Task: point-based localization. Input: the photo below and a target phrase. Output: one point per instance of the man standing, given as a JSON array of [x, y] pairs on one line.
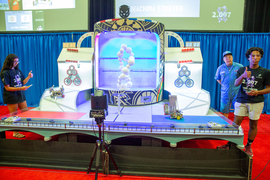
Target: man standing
[[225, 76], [254, 81]]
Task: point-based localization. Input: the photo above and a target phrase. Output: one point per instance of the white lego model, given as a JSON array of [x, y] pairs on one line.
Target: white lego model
[[57, 93], [214, 125], [12, 119], [172, 108]]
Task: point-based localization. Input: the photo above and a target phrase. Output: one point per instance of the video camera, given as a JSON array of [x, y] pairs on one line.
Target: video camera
[[99, 105]]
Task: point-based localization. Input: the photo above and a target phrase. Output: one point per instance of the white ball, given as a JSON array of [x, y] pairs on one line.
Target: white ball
[[120, 59], [128, 66], [121, 50], [128, 50], [121, 63], [131, 61], [122, 76], [119, 54], [131, 58], [124, 86], [121, 67], [129, 84], [124, 46], [131, 54], [125, 70], [128, 79]]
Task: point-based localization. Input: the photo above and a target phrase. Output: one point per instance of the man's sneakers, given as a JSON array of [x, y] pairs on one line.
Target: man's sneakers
[[225, 146], [249, 151]]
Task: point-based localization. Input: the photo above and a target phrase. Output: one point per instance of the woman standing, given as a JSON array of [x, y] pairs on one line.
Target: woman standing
[[14, 81]]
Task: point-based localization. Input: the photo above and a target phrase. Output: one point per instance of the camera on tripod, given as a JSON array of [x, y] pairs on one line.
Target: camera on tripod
[[99, 110], [99, 105]]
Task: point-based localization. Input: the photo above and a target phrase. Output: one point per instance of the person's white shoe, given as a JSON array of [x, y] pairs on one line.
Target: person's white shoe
[[47, 138]]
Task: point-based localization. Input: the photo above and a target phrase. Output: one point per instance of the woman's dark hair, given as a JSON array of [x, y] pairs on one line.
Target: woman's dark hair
[[250, 50], [9, 61]]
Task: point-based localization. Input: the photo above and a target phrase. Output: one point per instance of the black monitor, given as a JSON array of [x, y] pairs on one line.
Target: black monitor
[[43, 15]]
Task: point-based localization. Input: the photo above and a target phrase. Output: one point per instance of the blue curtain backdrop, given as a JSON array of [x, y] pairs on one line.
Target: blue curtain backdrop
[[39, 53]]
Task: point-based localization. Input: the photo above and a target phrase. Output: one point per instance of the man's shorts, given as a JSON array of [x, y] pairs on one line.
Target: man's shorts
[[252, 110]]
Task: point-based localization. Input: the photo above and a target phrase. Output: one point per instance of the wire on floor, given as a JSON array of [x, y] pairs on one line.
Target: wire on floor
[[262, 170]]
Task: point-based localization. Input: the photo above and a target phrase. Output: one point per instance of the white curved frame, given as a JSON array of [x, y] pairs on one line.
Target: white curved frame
[[85, 36], [179, 39]]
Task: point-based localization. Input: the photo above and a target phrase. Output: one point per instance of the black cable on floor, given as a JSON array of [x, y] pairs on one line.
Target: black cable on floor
[[262, 170]]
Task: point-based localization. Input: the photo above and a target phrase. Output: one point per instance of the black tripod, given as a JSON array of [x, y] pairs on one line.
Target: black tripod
[[98, 149]]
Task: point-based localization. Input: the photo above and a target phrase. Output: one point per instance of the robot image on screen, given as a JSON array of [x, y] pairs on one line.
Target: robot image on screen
[[127, 60]]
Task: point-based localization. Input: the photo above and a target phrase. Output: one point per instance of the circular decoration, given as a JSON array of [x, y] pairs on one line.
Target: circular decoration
[[137, 98], [189, 83], [184, 68], [184, 71], [69, 72], [74, 72], [178, 83], [77, 81], [67, 81], [181, 73]]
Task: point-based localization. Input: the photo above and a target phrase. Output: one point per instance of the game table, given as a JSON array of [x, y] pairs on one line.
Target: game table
[[148, 121]]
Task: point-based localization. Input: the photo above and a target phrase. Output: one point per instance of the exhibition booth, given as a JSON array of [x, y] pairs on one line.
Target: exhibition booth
[[131, 64]]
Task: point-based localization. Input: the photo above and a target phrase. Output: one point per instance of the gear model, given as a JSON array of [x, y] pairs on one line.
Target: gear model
[[183, 78], [72, 74]]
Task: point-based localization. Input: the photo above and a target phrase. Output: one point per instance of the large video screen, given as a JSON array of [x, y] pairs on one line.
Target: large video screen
[[43, 15], [197, 15]]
